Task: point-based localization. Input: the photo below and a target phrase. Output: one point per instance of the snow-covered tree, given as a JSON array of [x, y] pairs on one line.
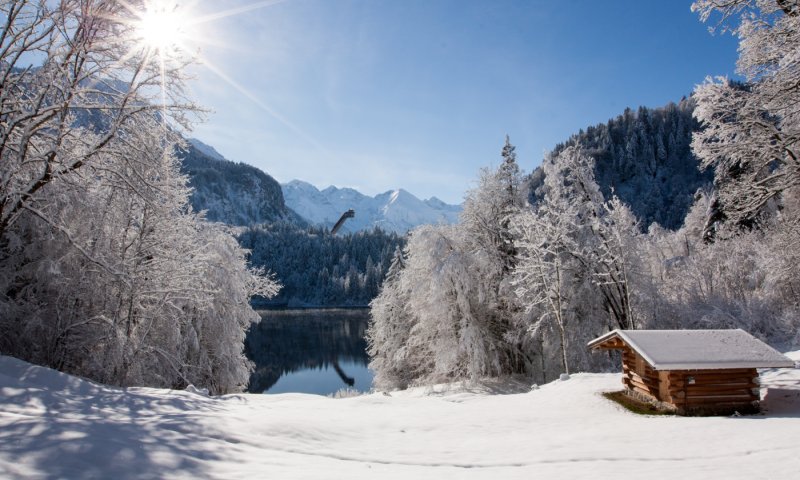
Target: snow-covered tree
[[453, 296], [104, 269], [389, 330], [544, 274], [574, 266], [599, 229], [752, 131], [93, 81], [510, 175], [488, 207]]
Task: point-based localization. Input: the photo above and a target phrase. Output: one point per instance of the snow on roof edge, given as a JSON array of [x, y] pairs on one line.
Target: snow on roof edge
[[720, 365], [636, 347], [695, 365], [602, 338]]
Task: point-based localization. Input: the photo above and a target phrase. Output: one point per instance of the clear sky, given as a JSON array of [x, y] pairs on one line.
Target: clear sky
[[419, 94]]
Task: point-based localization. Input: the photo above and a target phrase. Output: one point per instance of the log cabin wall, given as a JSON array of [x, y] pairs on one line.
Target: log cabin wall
[[638, 375], [712, 389], [724, 390]]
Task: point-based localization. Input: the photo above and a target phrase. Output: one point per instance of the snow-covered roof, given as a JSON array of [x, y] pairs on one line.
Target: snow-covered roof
[[698, 349]]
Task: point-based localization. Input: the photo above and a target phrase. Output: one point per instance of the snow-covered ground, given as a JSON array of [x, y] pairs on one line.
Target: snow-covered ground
[[56, 426]]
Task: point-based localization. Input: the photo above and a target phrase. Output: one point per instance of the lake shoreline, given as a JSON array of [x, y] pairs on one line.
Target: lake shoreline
[[281, 308], [309, 350]]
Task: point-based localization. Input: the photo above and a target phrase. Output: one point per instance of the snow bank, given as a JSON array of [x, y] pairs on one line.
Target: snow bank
[[56, 426]]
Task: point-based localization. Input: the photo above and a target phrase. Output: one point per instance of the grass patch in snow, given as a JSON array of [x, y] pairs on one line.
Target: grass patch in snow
[[635, 406]]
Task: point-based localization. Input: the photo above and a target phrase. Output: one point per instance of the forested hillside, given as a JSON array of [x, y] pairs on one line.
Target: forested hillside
[[233, 193], [314, 267], [320, 269], [644, 157]]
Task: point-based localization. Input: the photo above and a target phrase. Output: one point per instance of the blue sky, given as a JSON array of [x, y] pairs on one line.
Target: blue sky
[[419, 94]]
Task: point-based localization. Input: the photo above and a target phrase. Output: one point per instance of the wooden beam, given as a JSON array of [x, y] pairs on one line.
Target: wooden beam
[[646, 380], [739, 393], [644, 388], [721, 387], [613, 343], [721, 373], [719, 401]]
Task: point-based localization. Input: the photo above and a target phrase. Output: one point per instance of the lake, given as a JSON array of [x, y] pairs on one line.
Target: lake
[[309, 351]]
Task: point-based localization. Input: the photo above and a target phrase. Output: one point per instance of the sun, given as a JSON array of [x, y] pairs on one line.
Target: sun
[[163, 26]]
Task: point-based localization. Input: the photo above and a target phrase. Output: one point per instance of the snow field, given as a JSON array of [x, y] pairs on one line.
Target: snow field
[[56, 426]]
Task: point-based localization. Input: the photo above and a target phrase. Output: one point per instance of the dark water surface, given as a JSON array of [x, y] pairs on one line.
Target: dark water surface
[[309, 351]]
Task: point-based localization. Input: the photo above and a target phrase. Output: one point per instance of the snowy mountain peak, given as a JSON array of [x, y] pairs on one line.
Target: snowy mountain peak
[[395, 210], [434, 202], [401, 195]]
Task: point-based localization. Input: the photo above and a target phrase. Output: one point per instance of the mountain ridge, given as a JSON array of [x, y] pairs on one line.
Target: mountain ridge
[[395, 210], [233, 193]]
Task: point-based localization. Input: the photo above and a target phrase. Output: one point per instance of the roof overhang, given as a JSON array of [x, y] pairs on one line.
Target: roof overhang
[[694, 349]]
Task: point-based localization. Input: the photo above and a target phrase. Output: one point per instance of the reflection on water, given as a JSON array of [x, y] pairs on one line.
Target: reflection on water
[[309, 351]]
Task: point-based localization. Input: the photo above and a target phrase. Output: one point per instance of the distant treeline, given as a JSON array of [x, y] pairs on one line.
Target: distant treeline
[[317, 268]]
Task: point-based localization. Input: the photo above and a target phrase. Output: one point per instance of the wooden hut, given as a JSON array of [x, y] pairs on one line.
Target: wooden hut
[[693, 371]]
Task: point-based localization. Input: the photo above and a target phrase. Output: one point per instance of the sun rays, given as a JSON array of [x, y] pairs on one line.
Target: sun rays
[[169, 31], [162, 26]]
